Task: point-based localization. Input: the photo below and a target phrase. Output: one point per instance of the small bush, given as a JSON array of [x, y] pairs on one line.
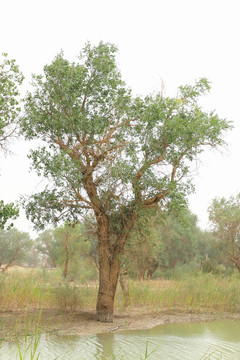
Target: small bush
[[207, 266], [67, 297]]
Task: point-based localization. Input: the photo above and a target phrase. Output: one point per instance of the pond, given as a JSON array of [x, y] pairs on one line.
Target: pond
[[215, 340]]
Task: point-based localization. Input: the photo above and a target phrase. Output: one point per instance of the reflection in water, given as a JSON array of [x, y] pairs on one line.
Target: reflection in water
[[106, 350], [188, 341]]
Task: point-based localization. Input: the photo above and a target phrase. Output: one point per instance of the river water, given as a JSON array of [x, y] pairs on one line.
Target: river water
[[187, 341]]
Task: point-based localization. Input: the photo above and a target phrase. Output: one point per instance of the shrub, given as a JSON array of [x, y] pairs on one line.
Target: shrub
[[67, 297]]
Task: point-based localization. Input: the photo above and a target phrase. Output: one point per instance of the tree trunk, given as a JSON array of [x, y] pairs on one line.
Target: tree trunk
[[53, 262], [236, 261], [151, 271], [50, 256], [108, 278], [109, 265], [106, 293], [124, 286], [141, 269], [65, 272], [11, 260]]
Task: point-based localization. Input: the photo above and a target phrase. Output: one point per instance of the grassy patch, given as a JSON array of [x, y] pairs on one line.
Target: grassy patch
[[46, 289], [202, 292]]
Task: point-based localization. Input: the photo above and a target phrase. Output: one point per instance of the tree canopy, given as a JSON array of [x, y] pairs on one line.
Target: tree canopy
[[132, 150], [14, 247]]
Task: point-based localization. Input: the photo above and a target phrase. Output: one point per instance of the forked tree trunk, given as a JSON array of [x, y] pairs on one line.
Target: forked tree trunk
[[11, 260], [151, 271], [109, 266]]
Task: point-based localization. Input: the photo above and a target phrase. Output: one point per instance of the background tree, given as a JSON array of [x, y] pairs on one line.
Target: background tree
[[225, 218], [109, 153], [163, 241], [14, 247], [10, 79], [145, 249], [46, 245], [68, 247], [181, 238], [68, 240]]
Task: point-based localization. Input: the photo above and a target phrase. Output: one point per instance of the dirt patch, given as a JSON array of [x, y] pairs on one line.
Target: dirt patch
[[15, 324]]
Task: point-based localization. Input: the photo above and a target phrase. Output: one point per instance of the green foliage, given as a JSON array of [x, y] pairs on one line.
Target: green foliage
[[67, 297], [7, 212], [225, 217], [208, 266], [109, 154], [82, 269], [132, 152], [163, 239], [14, 246], [145, 249], [68, 247], [29, 349], [10, 79], [195, 293], [46, 245]]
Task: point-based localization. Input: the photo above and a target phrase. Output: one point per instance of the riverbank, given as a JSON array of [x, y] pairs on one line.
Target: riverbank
[[15, 324]]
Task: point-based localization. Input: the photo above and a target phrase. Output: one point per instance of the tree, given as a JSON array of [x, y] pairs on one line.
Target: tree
[[68, 242], [109, 153], [46, 245], [14, 246], [145, 248], [225, 217], [163, 240], [10, 79], [181, 238]]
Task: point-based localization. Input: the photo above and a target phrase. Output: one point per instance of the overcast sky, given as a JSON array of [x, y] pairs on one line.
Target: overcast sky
[[174, 41]]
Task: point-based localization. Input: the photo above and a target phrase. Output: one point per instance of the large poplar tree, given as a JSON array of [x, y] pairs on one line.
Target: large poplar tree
[[109, 153]]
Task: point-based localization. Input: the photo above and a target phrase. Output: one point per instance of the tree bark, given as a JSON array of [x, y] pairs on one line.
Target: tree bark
[[141, 269], [109, 265], [151, 271], [106, 293], [50, 256], [53, 262], [124, 286], [11, 261], [66, 245]]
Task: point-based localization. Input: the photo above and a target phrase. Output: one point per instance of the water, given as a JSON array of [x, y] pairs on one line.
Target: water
[[189, 341]]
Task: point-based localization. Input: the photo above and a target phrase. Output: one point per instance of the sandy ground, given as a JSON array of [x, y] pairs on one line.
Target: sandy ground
[[15, 324]]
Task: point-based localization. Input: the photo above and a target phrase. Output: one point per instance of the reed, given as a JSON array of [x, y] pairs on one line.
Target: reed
[[205, 292], [46, 289]]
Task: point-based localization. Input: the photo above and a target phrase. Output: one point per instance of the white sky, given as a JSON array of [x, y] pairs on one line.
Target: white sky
[[177, 41]]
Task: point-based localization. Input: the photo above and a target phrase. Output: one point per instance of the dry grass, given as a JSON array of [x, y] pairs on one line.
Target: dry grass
[[204, 292], [35, 288]]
